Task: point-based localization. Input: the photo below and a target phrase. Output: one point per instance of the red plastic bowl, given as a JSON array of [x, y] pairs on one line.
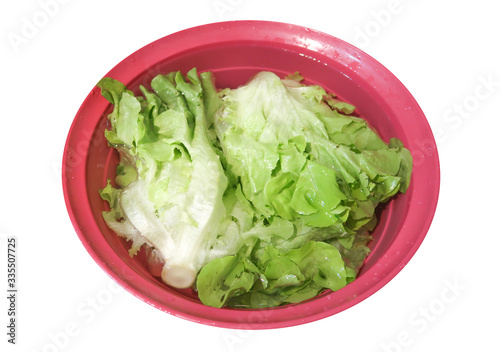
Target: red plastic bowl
[[235, 51]]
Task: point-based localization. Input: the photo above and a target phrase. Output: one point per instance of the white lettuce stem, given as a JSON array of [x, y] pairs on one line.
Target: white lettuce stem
[[178, 276]]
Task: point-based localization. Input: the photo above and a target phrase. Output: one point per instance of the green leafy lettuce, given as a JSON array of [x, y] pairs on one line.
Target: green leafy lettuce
[[257, 196]]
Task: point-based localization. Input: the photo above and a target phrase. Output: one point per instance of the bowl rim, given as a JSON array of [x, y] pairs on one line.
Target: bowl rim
[[420, 212]]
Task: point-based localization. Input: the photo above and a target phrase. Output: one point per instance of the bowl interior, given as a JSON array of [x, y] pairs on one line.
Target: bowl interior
[[320, 59]]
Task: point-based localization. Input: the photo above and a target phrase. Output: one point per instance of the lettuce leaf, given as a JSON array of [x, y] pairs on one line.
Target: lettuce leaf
[[173, 198], [313, 176]]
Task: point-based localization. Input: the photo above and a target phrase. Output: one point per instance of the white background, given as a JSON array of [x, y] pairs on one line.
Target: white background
[[447, 54]]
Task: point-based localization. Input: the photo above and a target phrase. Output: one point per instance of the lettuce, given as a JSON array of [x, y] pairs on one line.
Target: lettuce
[[175, 202], [257, 196]]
